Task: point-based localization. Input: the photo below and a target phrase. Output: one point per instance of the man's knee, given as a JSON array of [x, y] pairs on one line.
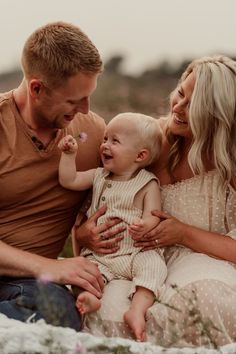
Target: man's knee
[[56, 304], [52, 302]]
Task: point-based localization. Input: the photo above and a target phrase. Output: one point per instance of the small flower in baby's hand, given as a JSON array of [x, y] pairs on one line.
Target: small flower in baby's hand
[[82, 137]]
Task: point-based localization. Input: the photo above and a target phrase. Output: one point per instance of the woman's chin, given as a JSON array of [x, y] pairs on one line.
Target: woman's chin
[[180, 129]]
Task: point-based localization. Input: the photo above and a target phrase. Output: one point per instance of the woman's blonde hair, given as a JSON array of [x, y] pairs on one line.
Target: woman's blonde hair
[[57, 51], [212, 119], [148, 133]]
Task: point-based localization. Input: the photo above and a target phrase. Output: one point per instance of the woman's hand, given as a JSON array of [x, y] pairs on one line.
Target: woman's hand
[[99, 238], [170, 231]]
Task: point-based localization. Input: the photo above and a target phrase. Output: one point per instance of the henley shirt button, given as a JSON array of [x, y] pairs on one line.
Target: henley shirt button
[[103, 198], [109, 185]]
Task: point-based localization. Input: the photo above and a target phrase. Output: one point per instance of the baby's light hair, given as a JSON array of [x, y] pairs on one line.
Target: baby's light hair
[[148, 133]]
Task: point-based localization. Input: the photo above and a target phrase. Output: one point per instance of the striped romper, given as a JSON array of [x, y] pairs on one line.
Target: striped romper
[[146, 269]]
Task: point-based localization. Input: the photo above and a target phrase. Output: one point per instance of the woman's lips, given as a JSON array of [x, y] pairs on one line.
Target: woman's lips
[[178, 120]]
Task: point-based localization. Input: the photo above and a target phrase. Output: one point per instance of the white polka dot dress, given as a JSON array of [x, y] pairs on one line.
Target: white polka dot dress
[[198, 302]]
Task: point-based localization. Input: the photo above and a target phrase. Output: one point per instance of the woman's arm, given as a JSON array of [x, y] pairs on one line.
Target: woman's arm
[[171, 232], [213, 244]]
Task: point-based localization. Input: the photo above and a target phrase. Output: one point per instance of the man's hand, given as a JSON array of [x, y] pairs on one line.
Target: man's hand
[[99, 238], [74, 271]]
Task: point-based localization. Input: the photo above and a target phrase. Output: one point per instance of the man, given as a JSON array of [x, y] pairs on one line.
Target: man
[[60, 66]]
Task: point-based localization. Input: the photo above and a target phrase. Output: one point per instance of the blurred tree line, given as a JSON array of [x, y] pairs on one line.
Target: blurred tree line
[[147, 92], [118, 92]]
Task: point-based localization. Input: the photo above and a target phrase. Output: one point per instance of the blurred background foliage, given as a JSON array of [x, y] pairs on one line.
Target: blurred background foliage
[[147, 92]]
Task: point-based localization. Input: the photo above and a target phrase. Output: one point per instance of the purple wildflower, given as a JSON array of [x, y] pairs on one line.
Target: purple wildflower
[[82, 137]]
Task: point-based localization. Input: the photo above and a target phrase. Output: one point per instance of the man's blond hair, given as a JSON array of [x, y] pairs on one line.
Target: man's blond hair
[[57, 51]]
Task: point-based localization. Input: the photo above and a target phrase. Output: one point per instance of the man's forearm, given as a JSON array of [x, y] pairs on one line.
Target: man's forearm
[[15, 262]]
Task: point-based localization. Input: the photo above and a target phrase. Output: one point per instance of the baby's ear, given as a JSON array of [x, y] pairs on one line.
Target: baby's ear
[[142, 155]]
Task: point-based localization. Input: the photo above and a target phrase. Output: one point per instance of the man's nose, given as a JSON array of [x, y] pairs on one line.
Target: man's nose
[[83, 107]]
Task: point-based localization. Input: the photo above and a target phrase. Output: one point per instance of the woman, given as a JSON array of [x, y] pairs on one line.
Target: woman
[[197, 172]]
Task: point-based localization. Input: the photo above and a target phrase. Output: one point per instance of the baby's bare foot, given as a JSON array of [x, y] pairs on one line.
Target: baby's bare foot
[[87, 302], [136, 322]]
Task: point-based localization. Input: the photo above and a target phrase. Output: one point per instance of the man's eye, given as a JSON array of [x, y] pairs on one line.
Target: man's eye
[[115, 141], [180, 93]]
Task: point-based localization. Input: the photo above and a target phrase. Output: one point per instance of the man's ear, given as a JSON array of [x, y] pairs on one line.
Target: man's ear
[[142, 155], [35, 87]]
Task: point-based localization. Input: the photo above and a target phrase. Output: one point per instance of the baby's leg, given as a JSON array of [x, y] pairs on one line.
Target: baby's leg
[[87, 302], [135, 316]]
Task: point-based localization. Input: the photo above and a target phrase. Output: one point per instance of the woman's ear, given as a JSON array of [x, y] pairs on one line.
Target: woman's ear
[[143, 155], [35, 87]]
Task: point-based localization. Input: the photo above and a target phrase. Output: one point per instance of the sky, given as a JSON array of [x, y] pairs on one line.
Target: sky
[[145, 32]]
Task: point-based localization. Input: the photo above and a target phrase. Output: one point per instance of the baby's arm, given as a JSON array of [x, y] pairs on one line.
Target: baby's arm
[[151, 201], [68, 176]]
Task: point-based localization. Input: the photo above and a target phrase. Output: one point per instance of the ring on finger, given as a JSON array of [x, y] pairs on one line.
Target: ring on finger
[[102, 237]]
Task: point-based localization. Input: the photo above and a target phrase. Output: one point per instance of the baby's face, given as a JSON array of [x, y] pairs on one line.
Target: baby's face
[[120, 147]]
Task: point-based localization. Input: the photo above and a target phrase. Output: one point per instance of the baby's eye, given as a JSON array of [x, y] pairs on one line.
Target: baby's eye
[[105, 139], [115, 140]]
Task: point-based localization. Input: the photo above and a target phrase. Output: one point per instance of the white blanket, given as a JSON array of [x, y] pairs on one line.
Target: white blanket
[[35, 338]]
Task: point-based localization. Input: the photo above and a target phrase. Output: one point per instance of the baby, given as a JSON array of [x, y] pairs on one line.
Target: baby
[[131, 142]]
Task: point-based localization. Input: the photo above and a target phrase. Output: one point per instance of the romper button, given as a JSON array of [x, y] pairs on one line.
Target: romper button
[[103, 198], [109, 185]]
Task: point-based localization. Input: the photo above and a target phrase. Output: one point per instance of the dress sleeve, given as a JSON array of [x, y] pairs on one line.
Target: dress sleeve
[[231, 213]]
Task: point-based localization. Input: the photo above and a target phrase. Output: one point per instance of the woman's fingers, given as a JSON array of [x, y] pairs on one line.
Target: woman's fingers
[[150, 245], [161, 214]]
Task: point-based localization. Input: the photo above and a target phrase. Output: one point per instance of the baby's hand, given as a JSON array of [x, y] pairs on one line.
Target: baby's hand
[[137, 228], [68, 144]]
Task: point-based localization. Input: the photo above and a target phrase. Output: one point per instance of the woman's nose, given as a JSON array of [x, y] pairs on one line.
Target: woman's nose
[[181, 105]]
